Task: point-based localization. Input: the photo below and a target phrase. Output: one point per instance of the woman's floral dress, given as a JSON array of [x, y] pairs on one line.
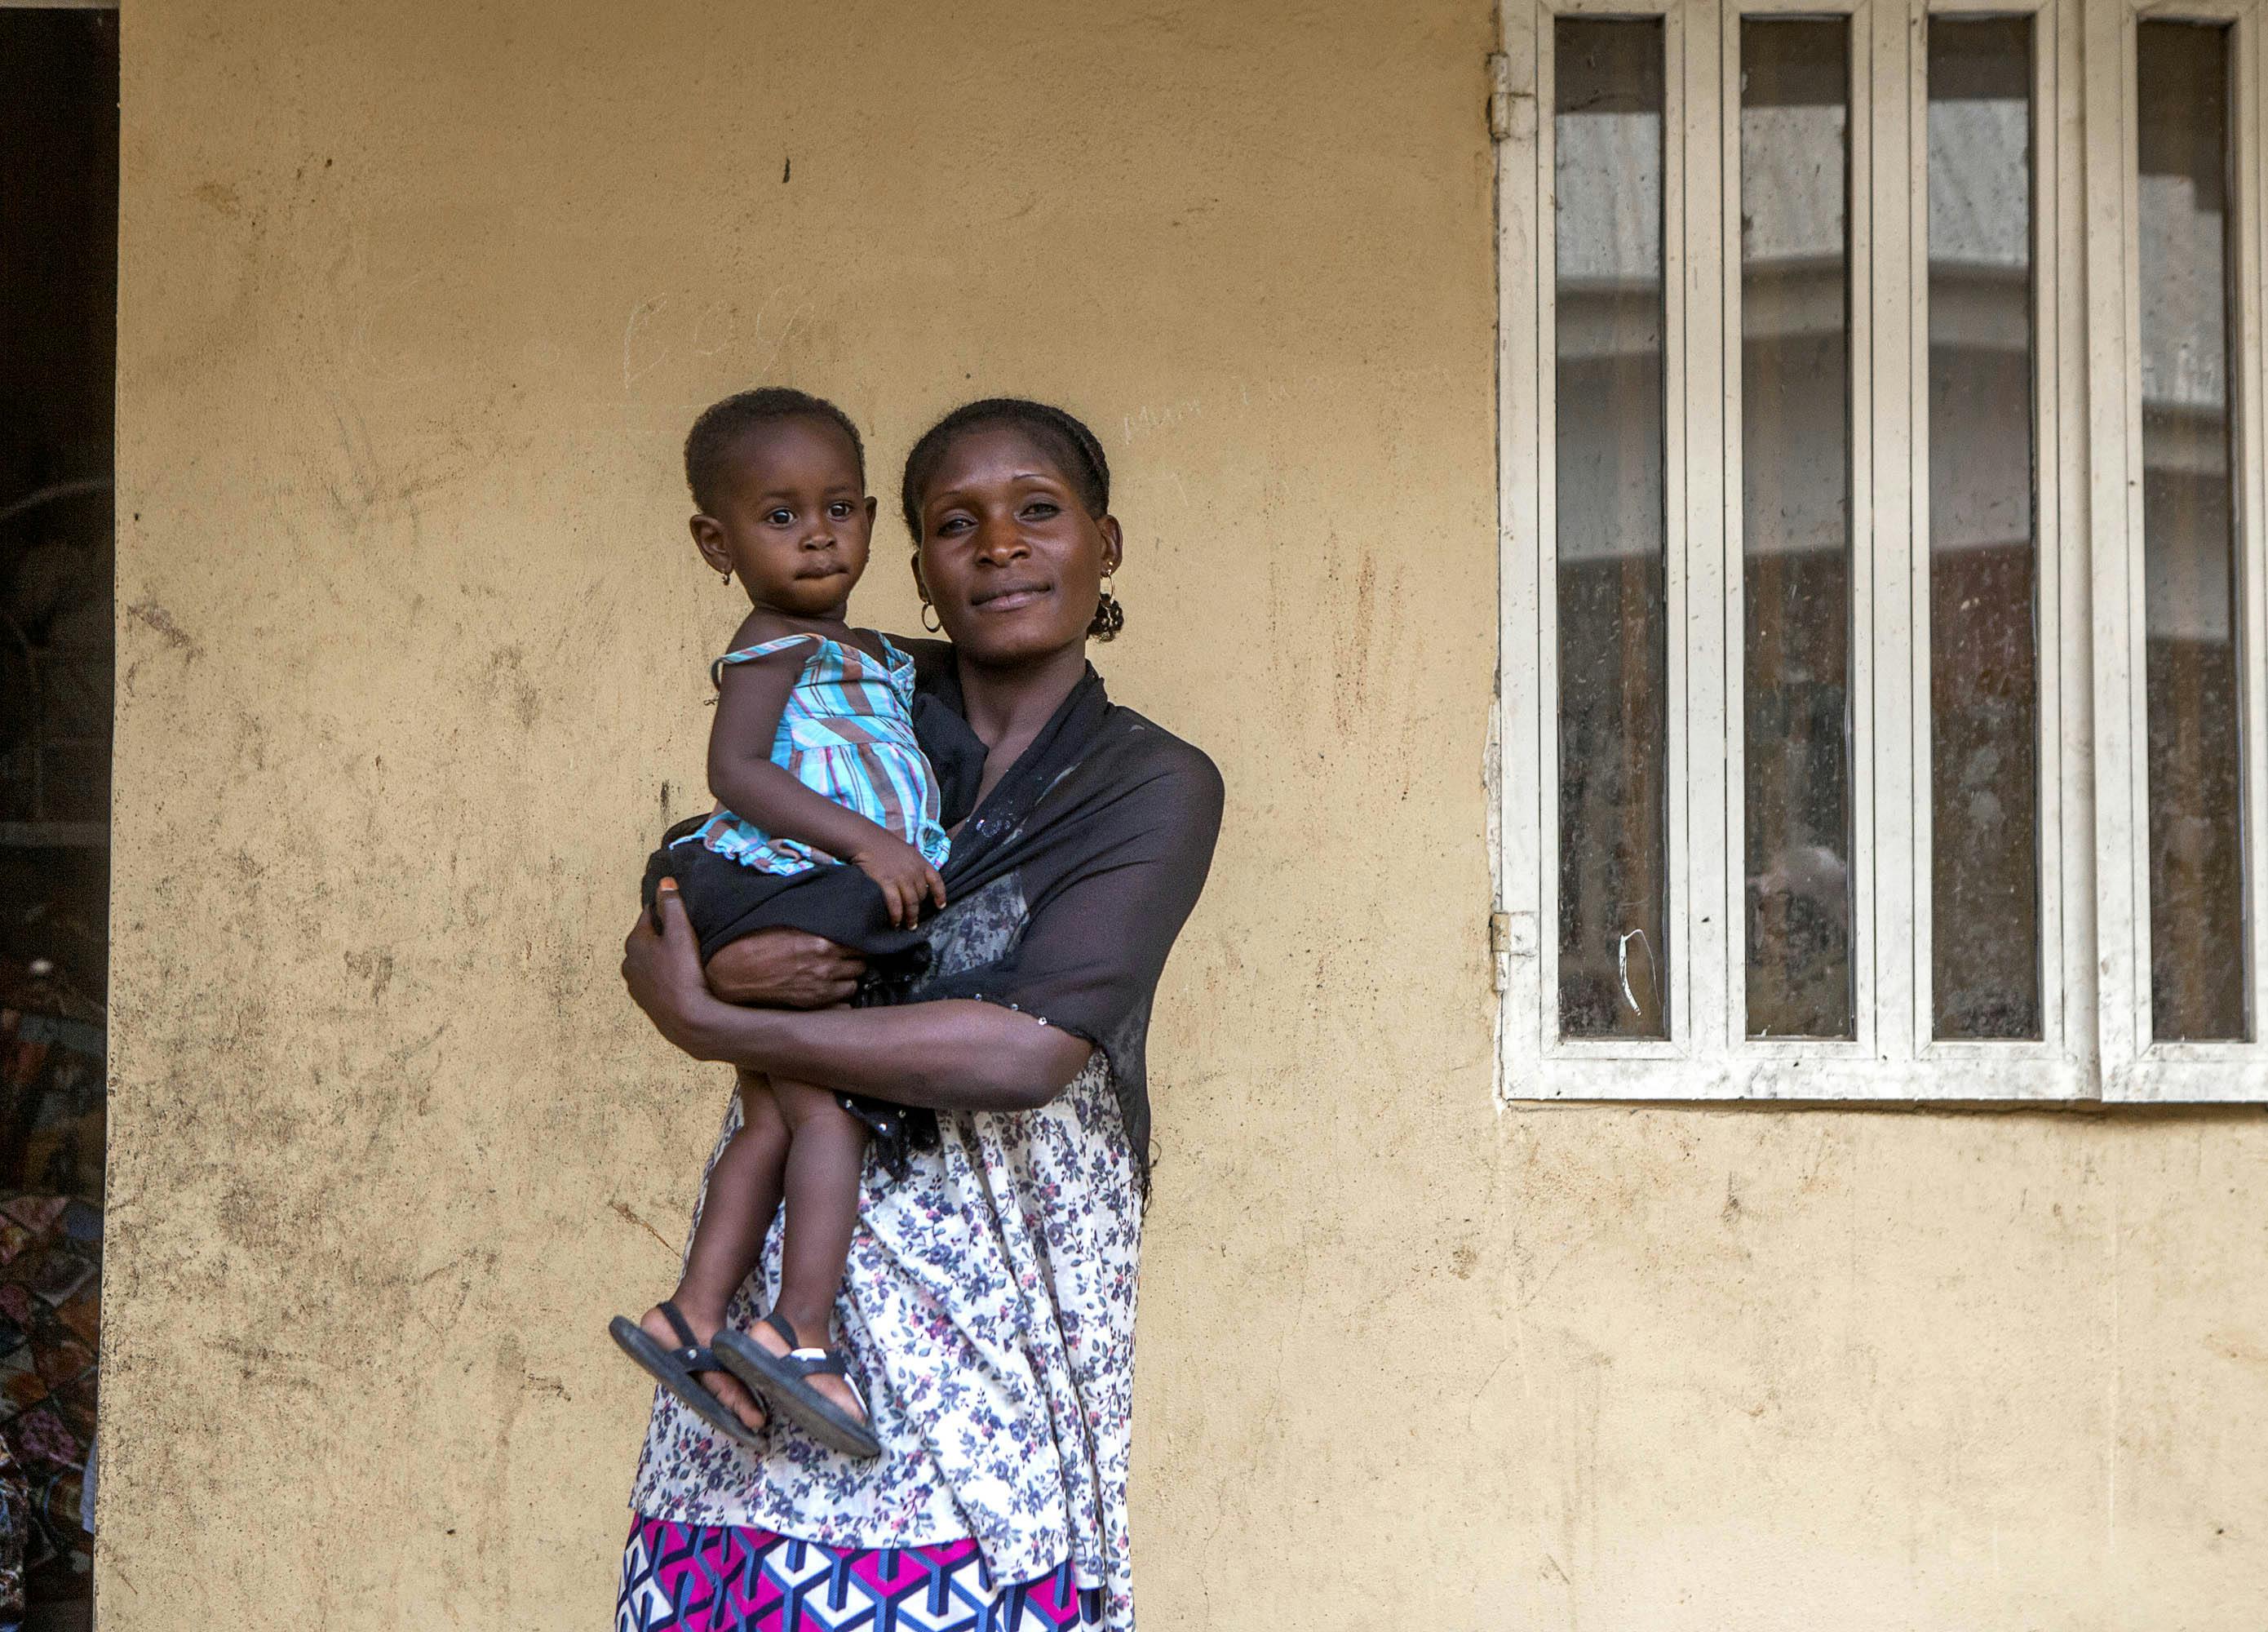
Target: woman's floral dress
[[989, 1311]]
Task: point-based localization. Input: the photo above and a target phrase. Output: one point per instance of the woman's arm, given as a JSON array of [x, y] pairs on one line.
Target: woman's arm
[[956, 1055]]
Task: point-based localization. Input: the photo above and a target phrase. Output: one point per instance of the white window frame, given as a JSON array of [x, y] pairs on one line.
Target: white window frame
[[2092, 858], [2135, 1069]]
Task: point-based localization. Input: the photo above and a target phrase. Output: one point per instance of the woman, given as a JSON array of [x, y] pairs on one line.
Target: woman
[[990, 1296]]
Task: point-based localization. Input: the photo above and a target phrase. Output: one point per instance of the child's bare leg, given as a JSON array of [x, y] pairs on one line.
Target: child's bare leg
[[743, 1194], [826, 1148]]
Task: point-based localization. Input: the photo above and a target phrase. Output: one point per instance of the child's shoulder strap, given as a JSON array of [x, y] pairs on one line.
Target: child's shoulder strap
[[764, 649]]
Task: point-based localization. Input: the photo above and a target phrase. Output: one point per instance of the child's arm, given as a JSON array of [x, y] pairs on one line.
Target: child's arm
[[751, 698]]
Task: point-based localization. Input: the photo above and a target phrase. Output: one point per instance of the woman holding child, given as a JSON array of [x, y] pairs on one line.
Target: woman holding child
[[919, 1404]]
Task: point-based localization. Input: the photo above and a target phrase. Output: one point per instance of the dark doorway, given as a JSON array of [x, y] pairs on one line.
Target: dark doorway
[[58, 343]]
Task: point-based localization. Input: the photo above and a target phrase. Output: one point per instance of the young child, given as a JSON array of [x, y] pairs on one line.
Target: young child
[[813, 760]]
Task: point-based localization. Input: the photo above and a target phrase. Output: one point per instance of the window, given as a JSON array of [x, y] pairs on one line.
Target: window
[[1883, 673]]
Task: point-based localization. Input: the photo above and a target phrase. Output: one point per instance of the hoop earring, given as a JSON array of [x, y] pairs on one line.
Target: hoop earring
[[938, 628]]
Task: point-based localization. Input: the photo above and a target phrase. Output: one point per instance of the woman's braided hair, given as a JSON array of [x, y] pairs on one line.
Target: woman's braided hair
[[1072, 446]]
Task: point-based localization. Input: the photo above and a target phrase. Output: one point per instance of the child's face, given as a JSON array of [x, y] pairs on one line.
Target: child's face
[[794, 521]]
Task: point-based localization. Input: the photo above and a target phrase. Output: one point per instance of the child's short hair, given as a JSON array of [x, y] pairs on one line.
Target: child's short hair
[[1072, 444], [722, 424]]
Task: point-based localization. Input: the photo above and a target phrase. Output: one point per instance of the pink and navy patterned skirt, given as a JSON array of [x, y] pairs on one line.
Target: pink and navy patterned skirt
[[729, 1578]]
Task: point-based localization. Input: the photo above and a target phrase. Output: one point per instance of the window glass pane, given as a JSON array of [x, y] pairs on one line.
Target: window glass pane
[[1984, 716], [1606, 130], [1795, 478], [2198, 953]]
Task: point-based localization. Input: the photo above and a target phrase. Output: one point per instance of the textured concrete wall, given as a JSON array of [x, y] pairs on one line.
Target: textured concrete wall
[[417, 300]]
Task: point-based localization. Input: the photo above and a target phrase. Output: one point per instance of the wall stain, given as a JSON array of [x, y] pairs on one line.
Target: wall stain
[[507, 673], [375, 967], [621, 1210], [149, 614]]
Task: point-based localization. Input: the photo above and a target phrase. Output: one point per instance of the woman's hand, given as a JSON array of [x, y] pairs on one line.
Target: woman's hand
[[785, 969], [663, 972]]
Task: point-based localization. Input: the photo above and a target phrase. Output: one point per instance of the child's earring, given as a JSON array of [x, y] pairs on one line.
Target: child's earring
[[726, 574]]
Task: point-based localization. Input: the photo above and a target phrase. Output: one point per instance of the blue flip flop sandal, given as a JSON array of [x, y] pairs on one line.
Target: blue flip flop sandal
[[779, 1379], [677, 1369]]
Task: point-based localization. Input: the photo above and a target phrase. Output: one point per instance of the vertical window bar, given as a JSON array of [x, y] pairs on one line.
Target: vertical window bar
[[1612, 526], [1796, 553], [1983, 549], [2198, 952]]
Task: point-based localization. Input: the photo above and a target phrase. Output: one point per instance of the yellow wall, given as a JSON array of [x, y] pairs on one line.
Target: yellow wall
[[417, 300]]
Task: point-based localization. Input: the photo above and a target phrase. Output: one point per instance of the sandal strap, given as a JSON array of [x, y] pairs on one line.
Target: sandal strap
[[826, 1362], [691, 1353], [806, 1361]]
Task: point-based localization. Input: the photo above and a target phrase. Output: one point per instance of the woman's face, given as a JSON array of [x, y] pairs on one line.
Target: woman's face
[[1009, 556]]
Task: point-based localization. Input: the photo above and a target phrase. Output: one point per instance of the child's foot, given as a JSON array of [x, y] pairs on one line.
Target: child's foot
[[731, 1393], [836, 1391]]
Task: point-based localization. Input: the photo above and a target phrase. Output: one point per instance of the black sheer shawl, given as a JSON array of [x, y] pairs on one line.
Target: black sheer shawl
[[1068, 886], [1065, 889]]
